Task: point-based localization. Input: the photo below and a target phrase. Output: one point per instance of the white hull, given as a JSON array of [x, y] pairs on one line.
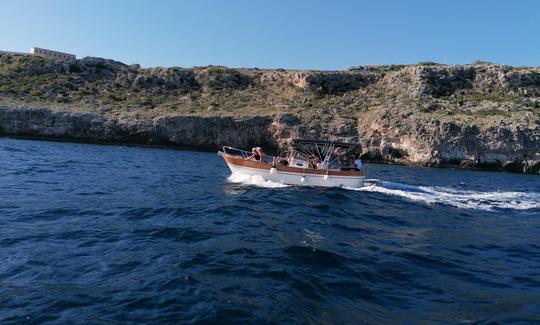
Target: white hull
[[290, 178]]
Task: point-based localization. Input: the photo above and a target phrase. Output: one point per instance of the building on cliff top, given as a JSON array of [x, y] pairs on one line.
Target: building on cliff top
[[44, 53], [51, 54]]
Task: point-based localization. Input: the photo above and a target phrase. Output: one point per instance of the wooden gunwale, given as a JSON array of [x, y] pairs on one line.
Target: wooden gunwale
[[280, 168]]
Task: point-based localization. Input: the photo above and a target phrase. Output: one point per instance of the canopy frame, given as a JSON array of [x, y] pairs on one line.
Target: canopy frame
[[325, 150]]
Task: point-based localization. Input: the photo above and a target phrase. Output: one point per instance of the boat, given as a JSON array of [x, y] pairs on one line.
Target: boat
[[305, 163]]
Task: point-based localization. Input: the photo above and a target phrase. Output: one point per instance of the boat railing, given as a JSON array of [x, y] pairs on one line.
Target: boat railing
[[245, 154], [236, 152], [362, 169]]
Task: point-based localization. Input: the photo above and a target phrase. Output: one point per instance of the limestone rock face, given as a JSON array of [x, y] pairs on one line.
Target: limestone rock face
[[48, 123], [424, 141], [182, 131], [433, 81], [497, 146], [340, 82], [158, 78], [222, 78]]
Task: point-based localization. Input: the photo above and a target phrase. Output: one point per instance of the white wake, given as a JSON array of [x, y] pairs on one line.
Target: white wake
[[253, 180], [464, 199]]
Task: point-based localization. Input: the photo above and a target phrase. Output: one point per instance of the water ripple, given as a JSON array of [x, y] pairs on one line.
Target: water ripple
[[108, 234]]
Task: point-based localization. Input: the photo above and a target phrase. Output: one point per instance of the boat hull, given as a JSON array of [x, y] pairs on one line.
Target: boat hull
[[295, 176]]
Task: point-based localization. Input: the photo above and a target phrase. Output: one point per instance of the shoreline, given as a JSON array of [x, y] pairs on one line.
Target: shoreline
[[210, 150]]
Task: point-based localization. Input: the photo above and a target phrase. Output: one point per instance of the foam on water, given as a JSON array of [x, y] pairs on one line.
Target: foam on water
[[253, 180], [465, 199]]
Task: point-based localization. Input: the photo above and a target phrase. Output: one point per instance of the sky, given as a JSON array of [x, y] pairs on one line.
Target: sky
[[293, 34]]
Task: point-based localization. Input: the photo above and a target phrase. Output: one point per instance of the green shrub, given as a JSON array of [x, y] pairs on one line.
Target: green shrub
[[482, 62], [428, 63], [219, 69]]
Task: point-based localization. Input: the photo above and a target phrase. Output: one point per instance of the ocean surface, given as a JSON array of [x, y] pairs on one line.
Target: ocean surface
[[94, 234]]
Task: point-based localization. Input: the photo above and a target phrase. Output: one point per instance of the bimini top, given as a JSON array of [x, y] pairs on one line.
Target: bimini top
[[321, 143], [325, 150]]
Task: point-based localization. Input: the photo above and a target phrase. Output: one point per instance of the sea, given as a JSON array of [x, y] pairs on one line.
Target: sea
[[104, 234]]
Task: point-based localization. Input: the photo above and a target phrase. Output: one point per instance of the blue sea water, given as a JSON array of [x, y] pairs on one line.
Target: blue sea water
[[96, 234]]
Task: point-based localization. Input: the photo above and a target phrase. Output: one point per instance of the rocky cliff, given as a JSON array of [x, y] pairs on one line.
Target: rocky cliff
[[478, 116]]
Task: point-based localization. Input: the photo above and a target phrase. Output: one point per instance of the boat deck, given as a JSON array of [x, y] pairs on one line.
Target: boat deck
[[239, 161]]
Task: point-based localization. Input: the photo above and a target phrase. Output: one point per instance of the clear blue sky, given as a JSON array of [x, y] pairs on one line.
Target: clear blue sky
[[270, 34]]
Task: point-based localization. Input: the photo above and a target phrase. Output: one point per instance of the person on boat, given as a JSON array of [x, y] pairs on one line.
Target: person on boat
[[261, 153], [342, 163], [358, 163], [254, 155], [282, 160], [257, 154], [313, 161], [350, 163]]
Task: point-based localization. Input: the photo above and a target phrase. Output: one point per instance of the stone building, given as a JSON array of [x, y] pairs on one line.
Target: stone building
[[51, 54], [43, 53]]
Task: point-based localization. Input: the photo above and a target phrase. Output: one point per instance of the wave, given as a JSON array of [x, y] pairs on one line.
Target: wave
[[465, 199], [253, 180]]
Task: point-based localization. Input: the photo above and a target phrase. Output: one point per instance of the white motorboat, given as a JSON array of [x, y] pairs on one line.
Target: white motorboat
[[307, 163]]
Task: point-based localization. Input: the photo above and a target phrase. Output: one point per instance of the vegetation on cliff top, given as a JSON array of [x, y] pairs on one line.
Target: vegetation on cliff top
[[479, 90]]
